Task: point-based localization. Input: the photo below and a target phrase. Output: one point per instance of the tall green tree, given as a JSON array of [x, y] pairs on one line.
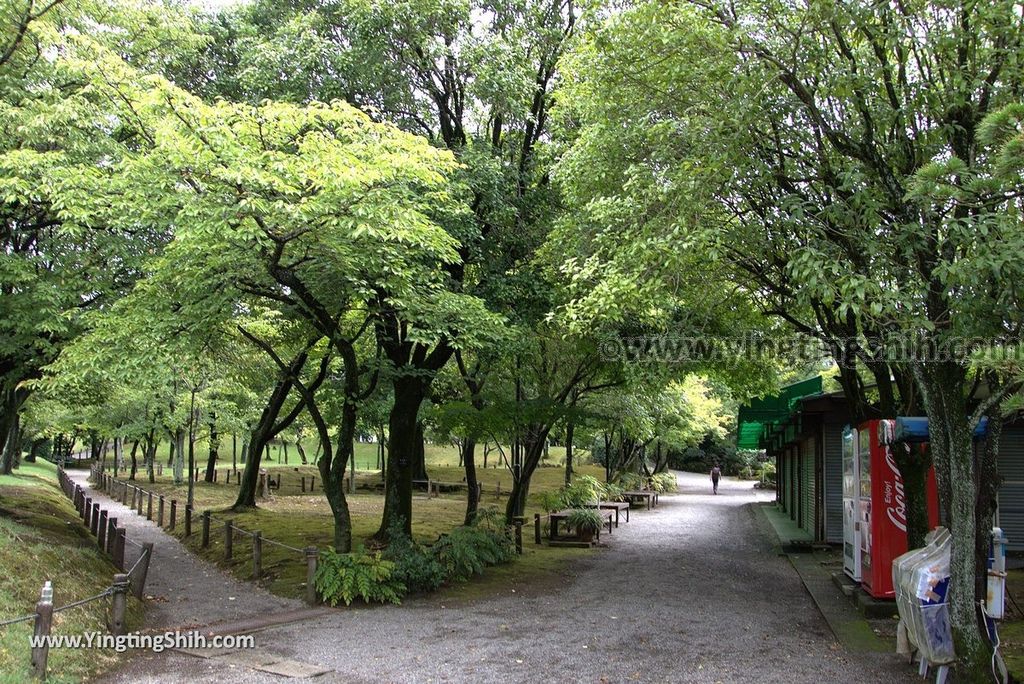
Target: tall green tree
[[832, 157]]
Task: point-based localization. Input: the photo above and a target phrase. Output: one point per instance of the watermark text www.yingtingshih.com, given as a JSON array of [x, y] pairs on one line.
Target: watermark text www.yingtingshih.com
[[800, 348], [156, 642]]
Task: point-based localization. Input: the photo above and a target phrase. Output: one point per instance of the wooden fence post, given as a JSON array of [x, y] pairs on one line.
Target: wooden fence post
[[94, 521], [118, 551], [119, 603], [160, 511], [135, 491], [518, 522], [101, 530], [257, 555], [174, 513], [311, 558], [149, 507], [141, 497], [111, 534], [303, 478], [87, 512], [139, 588], [536, 528], [124, 493], [159, 469], [44, 619], [188, 520], [206, 529], [229, 539]]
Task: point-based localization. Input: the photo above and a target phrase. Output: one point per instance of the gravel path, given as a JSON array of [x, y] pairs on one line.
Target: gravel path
[[187, 590], [690, 592]]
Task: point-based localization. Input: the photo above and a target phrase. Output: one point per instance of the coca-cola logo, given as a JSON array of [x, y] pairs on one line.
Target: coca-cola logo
[[896, 507]]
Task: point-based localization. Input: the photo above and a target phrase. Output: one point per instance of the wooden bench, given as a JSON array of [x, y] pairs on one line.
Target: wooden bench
[[560, 516], [617, 506], [640, 496]]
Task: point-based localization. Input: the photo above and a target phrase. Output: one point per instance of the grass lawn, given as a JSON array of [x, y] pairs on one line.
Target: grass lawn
[[42, 538]]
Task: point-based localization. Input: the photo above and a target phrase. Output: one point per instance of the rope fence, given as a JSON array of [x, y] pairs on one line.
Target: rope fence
[[132, 495]]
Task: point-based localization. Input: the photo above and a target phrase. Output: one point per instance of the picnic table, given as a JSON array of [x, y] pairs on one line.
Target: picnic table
[[616, 506], [558, 517], [642, 496]]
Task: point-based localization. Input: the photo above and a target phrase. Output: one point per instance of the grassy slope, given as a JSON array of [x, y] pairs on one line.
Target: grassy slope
[[42, 538]]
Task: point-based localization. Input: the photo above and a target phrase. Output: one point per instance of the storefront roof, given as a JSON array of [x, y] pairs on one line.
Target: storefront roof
[[760, 415]]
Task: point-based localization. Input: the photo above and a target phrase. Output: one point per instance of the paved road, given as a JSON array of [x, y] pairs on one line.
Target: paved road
[[690, 592]]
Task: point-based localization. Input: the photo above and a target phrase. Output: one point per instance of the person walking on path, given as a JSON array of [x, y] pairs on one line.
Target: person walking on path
[[716, 473]]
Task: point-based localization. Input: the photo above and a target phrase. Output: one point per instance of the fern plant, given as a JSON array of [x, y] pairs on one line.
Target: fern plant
[[631, 481], [585, 489], [613, 492], [466, 551], [664, 482], [347, 576]]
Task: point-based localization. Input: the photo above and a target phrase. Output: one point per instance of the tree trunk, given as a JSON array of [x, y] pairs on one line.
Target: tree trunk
[[352, 458], [420, 455], [468, 458], [96, 450], [211, 461], [135, 462], [570, 427], [34, 450], [151, 445], [332, 471], [913, 464], [264, 431], [179, 456], [533, 451], [403, 443], [942, 387], [10, 405]]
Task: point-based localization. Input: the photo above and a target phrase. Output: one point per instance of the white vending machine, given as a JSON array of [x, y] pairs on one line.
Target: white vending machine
[[851, 505]]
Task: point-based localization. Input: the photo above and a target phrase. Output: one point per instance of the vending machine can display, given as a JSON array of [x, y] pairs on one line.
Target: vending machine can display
[[882, 507], [851, 505]]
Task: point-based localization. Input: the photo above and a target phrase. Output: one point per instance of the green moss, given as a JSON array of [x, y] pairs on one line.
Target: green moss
[[42, 538]]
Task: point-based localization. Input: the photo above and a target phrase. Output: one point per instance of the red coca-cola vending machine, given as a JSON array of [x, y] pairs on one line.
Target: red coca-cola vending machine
[[883, 515]]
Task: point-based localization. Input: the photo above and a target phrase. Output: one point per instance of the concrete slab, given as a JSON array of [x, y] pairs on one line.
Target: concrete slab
[[293, 669]]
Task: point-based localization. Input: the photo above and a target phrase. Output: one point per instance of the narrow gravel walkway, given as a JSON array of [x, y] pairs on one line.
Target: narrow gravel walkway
[[187, 591], [689, 592]]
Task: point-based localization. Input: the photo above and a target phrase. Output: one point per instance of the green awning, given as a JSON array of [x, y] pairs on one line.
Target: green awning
[[764, 413]]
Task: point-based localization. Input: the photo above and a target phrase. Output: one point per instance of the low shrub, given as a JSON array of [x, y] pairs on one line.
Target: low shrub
[[414, 565], [347, 576], [466, 551]]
